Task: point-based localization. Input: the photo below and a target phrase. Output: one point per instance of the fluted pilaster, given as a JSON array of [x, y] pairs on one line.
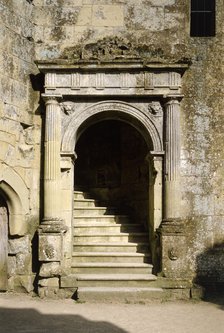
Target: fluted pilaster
[[172, 159], [52, 175]]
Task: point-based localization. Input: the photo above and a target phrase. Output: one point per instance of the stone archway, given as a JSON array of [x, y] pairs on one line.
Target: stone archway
[[141, 121], [3, 243], [147, 96]]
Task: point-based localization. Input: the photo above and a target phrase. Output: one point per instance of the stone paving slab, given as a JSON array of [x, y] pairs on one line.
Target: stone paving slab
[[25, 314]]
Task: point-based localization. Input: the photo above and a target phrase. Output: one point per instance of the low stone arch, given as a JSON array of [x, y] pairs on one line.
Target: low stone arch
[[113, 110], [15, 193]]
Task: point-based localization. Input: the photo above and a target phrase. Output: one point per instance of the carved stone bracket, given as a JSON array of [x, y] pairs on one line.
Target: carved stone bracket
[[155, 108], [67, 107]]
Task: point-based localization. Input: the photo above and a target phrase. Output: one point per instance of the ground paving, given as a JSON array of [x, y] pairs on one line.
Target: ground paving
[[25, 314]]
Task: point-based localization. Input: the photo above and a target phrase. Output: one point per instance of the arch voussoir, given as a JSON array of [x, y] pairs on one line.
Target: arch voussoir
[[112, 110]]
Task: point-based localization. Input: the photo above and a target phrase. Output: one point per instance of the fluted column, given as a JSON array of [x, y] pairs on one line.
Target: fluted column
[[172, 231], [172, 159], [52, 173]]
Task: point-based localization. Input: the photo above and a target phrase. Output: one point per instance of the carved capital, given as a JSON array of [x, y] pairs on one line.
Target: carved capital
[[173, 99], [51, 99]]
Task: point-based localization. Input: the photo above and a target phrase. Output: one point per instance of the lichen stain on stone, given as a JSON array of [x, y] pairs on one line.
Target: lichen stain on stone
[[111, 48]]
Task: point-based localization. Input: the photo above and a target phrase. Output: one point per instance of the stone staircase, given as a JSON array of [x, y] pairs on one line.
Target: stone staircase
[[111, 255]]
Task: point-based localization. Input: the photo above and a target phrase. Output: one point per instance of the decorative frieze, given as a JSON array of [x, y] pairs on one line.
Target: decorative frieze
[[84, 82], [100, 84], [174, 80], [51, 80], [124, 80], [75, 81], [148, 81]]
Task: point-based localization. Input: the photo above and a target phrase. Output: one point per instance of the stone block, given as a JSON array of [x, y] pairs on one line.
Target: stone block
[[152, 18], [27, 282], [22, 283], [50, 247], [85, 16], [68, 282], [162, 2], [52, 282], [23, 263], [19, 245], [107, 16], [50, 269], [197, 292], [11, 265]]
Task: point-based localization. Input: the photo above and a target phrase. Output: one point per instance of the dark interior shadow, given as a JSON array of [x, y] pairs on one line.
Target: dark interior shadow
[[32, 321], [210, 274]]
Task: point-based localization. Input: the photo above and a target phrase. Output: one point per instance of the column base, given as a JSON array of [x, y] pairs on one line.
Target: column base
[[173, 249]]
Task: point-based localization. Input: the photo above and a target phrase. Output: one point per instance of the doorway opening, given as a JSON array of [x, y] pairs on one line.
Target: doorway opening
[[111, 165]]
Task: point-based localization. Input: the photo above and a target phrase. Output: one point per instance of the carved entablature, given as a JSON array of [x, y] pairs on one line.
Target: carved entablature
[[117, 78]]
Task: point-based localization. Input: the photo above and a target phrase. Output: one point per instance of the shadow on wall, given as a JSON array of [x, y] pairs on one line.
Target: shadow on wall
[[30, 320], [210, 274]]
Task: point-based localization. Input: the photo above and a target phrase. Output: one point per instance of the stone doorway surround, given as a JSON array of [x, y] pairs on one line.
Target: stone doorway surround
[[146, 96]]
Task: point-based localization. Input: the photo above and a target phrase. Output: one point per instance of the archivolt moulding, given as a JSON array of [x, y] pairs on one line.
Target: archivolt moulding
[[113, 110]]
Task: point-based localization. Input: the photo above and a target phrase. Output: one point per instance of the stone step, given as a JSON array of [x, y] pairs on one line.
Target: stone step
[[111, 268], [108, 280], [81, 195], [111, 237], [113, 219], [91, 228], [93, 211], [119, 294], [85, 203], [115, 257], [111, 247]]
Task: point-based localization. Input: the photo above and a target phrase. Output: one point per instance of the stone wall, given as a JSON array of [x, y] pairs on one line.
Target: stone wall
[[19, 138]]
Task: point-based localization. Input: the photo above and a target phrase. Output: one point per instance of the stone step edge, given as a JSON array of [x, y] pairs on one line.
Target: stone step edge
[[111, 265], [144, 234], [119, 289], [102, 216], [94, 208], [111, 244], [115, 277], [109, 254], [85, 200], [105, 225], [71, 281]]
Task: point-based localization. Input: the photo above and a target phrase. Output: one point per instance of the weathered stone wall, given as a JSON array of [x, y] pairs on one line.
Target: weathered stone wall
[[156, 30], [159, 31], [202, 155], [19, 137]]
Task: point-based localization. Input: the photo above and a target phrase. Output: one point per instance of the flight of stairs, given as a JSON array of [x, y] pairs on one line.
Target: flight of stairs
[[111, 255]]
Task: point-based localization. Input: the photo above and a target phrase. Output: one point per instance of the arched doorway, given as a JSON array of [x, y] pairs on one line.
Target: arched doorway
[[142, 157], [3, 243], [111, 165]]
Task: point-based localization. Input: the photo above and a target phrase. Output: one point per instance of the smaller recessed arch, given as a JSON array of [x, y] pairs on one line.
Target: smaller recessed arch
[[113, 110], [14, 192]]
